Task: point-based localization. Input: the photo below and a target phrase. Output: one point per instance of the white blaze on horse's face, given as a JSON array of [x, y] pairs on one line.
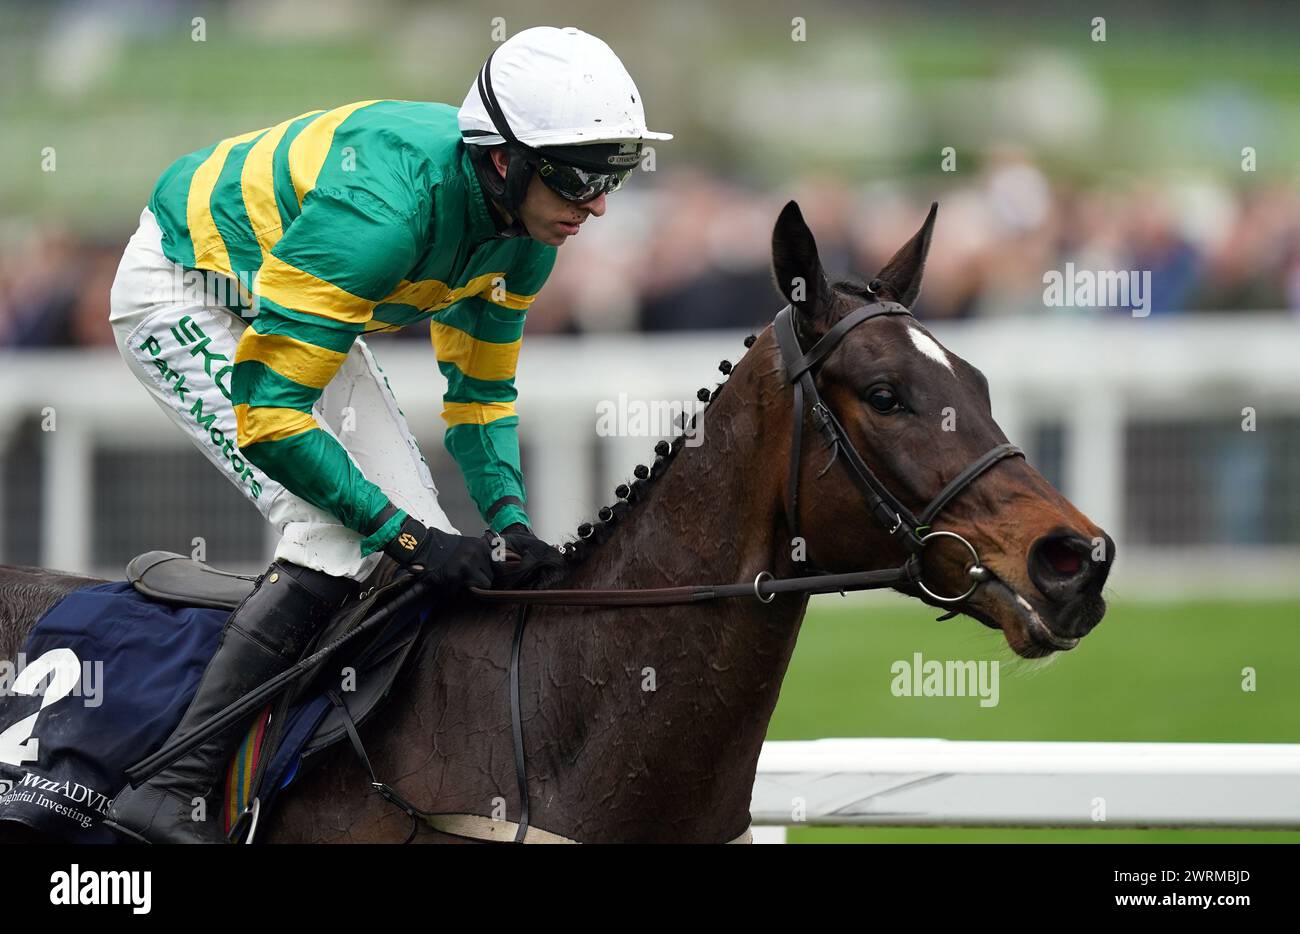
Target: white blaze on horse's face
[[929, 346]]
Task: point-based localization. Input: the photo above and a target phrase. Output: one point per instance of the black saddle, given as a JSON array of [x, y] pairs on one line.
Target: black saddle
[[176, 579]]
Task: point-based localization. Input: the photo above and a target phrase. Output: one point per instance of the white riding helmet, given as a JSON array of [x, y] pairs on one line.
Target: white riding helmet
[[549, 87]]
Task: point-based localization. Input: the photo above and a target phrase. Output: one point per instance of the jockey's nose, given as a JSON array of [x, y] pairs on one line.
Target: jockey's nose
[[595, 206]]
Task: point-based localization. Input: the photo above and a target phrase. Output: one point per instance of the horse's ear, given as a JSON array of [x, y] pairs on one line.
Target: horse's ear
[[902, 274], [796, 265]]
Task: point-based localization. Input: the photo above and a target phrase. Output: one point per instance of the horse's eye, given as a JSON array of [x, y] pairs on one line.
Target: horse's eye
[[882, 399]]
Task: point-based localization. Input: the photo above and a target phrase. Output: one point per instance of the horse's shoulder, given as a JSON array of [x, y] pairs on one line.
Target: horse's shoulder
[[25, 596]]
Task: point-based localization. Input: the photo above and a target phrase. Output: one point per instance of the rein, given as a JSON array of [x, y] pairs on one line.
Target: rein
[[765, 587]]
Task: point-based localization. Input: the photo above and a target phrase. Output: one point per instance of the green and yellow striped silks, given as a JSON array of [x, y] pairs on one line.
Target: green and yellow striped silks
[[359, 218]]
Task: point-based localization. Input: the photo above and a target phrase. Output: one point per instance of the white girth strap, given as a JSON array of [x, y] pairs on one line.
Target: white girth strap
[[477, 827]]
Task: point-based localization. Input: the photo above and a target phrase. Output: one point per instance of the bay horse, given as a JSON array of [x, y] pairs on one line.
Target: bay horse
[[645, 724]]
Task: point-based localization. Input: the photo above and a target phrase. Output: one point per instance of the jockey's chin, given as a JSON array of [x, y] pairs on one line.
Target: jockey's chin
[[550, 219]]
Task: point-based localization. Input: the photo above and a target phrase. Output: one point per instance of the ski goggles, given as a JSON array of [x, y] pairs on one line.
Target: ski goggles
[[574, 184]]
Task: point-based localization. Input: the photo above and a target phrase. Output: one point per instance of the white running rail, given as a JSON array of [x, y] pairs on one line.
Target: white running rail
[[937, 782]]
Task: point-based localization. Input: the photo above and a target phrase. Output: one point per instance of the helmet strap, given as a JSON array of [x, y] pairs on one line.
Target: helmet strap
[[519, 172], [508, 193]]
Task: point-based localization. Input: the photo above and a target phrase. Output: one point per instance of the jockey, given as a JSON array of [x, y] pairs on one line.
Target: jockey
[[318, 230]]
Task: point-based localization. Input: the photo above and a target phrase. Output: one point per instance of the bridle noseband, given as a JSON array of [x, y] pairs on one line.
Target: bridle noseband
[[896, 519]]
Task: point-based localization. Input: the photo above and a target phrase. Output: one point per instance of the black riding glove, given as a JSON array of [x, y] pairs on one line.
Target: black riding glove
[[449, 561], [524, 553], [521, 540]]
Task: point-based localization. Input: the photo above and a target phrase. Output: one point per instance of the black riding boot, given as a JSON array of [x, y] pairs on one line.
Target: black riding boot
[[265, 635]]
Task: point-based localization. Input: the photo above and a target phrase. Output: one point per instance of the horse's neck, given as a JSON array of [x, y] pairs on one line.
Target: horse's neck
[[707, 675], [706, 520]]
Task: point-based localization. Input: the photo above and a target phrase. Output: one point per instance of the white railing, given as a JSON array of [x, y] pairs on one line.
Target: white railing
[[1091, 375], [936, 782]]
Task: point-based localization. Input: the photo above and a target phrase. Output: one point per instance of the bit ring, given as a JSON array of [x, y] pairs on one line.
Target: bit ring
[[978, 572]]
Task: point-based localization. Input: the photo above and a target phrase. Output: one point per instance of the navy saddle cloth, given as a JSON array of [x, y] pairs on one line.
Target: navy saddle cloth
[[104, 679]]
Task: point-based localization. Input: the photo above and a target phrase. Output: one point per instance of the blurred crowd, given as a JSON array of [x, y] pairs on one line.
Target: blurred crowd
[[690, 250]]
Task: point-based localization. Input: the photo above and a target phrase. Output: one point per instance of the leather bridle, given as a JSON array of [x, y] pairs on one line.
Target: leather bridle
[[912, 532], [897, 520]]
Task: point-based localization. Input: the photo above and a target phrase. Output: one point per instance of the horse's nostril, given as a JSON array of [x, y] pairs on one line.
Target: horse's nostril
[[1064, 568], [1061, 558]]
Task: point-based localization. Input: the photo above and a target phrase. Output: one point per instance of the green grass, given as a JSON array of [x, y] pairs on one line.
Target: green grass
[[1150, 672]]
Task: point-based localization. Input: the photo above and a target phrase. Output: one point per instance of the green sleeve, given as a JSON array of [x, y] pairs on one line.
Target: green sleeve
[[477, 343]]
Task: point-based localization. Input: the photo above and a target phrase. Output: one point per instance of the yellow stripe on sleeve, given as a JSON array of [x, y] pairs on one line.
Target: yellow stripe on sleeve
[[293, 359], [476, 413], [428, 294], [309, 148], [475, 358], [262, 423], [491, 288], [258, 184], [423, 294], [209, 249], [508, 299], [293, 288]]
